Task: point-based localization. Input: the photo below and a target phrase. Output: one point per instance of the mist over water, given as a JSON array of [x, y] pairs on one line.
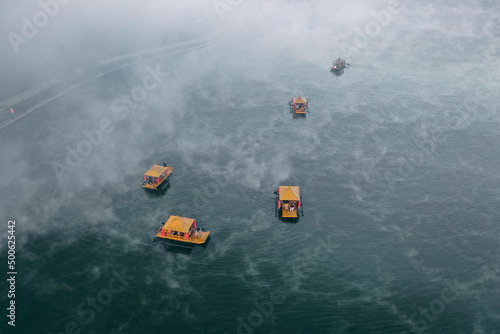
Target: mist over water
[[397, 163]]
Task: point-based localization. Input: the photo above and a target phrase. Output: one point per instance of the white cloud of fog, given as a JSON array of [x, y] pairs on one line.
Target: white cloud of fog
[[84, 33]]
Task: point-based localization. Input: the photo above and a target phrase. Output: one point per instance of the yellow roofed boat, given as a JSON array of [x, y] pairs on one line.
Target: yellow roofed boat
[[157, 177], [298, 106], [182, 230], [289, 202]]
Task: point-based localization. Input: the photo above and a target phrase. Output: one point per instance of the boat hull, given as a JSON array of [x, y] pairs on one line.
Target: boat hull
[[199, 239], [287, 214], [157, 186]]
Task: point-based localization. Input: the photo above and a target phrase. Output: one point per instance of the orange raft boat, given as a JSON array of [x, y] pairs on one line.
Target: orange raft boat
[[298, 106], [289, 202], [157, 177], [182, 230]]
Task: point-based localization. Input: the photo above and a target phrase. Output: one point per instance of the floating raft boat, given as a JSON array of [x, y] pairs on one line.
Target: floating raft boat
[[157, 177], [289, 202], [338, 66], [298, 106], [181, 231]]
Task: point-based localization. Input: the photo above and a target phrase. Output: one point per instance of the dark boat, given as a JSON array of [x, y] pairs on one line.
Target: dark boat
[[338, 65]]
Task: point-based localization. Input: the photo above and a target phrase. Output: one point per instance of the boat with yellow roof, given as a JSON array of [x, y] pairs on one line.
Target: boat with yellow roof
[[157, 177], [289, 202], [181, 230], [298, 106]]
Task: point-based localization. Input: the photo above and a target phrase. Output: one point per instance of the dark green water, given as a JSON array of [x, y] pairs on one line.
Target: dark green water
[[397, 164]]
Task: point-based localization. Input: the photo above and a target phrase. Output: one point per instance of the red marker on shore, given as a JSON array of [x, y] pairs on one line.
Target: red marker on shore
[[11, 110]]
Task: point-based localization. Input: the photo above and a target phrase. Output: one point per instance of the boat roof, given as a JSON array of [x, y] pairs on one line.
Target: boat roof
[[340, 59], [299, 100], [178, 224], [156, 171], [289, 193]]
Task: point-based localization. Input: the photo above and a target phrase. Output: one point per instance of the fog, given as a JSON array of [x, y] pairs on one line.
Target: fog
[[85, 56]]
